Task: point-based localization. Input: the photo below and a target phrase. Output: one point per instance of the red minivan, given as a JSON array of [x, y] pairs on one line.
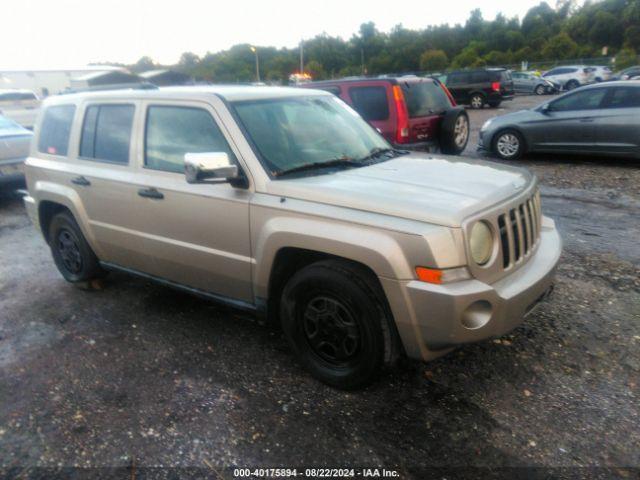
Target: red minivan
[[411, 112]]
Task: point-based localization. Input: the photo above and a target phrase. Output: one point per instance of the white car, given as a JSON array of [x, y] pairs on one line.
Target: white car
[[600, 73], [570, 76], [21, 106]]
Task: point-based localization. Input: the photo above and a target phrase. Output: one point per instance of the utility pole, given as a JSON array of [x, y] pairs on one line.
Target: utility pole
[[255, 52], [302, 56]]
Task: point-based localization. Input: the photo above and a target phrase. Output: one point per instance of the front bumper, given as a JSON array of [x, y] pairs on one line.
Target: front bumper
[[432, 319]]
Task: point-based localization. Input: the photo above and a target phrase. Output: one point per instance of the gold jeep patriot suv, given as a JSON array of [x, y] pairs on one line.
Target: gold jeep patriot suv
[[285, 202]]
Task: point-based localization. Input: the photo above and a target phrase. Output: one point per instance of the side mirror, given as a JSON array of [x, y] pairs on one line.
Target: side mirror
[[546, 108], [199, 167]]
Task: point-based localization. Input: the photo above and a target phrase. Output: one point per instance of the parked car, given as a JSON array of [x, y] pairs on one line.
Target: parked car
[[477, 88], [21, 106], [286, 203], [410, 112], [528, 83], [570, 77], [600, 119], [600, 73], [627, 74], [14, 148]]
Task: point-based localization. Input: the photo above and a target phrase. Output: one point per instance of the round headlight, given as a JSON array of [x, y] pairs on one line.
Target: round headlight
[[481, 243]]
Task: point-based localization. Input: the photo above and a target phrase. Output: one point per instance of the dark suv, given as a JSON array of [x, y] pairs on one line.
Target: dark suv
[[477, 88], [410, 112]]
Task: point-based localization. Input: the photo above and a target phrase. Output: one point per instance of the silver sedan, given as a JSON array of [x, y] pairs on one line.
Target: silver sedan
[[600, 119], [14, 148]]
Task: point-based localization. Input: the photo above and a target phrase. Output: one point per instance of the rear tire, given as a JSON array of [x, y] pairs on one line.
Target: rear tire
[[71, 252], [336, 324], [508, 145], [476, 101], [454, 131], [571, 85]]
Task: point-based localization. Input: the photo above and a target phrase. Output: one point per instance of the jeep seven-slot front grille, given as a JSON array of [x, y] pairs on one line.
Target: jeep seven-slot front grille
[[519, 230]]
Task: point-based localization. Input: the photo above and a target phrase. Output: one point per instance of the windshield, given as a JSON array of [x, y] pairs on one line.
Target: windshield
[[424, 98], [297, 131]]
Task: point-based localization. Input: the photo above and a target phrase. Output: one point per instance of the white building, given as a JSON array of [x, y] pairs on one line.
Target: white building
[[51, 81]]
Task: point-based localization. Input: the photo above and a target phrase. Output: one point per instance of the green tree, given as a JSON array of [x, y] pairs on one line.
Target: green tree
[[315, 69], [433, 60], [626, 58], [560, 46]]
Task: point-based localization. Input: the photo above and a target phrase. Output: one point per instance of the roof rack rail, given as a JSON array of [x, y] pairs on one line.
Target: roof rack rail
[[115, 86]]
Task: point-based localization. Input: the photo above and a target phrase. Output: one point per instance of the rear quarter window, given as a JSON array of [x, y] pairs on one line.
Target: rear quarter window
[[479, 77], [55, 129], [370, 102]]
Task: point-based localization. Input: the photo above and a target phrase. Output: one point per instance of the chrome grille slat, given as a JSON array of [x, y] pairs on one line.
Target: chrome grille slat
[[519, 229]]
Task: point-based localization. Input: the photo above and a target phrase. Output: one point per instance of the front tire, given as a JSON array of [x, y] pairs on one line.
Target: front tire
[[508, 145], [476, 101], [539, 90], [71, 252], [335, 322]]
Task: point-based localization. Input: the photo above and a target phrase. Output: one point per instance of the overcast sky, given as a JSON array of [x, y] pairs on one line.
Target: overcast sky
[[65, 33]]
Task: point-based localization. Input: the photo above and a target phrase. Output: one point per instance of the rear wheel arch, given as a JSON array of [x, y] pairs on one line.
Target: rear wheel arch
[[47, 209]]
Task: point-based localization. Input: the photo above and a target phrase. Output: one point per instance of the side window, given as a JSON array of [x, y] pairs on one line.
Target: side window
[[370, 102], [479, 77], [106, 133], [458, 78], [583, 100], [624, 97], [173, 131], [55, 129]]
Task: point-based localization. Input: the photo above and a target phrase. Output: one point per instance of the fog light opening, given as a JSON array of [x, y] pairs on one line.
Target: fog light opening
[[477, 315]]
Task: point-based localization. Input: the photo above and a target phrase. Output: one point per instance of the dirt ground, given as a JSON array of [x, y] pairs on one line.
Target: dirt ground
[[136, 375]]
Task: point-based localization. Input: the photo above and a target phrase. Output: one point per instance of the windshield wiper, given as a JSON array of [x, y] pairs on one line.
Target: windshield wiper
[[379, 152], [334, 162]]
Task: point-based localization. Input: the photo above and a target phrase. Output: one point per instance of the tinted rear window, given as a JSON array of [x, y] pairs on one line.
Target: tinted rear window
[[424, 98], [106, 133], [370, 102], [55, 130]]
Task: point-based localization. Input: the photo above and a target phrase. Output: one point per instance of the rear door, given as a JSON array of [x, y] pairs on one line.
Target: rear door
[[618, 125], [571, 121], [374, 103], [458, 85]]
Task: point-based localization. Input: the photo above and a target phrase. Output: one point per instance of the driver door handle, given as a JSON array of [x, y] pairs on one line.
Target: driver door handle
[[587, 119], [151, 193]]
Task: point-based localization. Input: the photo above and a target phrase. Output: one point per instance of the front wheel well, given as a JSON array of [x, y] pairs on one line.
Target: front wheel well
[[46, 211], [289, 260]]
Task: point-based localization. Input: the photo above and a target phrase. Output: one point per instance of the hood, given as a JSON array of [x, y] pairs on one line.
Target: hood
[[439, 190]]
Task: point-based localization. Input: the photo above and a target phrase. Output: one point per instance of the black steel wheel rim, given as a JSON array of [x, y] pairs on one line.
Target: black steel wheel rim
[[331, 330], [69, 250]]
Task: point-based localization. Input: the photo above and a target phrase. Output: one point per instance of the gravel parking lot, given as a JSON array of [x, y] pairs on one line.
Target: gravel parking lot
[[136, 375]]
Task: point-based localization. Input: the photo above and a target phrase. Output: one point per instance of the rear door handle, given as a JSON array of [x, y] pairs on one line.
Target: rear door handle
[[81, 181], [151, 193]]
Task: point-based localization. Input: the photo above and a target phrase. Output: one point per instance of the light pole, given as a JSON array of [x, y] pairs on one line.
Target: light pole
[[302, 57], [255, 52]]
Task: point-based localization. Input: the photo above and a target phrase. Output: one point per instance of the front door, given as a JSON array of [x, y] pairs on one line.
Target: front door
[[196, 235]]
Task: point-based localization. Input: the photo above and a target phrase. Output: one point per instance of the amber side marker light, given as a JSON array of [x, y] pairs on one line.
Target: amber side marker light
[[438, 277]]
